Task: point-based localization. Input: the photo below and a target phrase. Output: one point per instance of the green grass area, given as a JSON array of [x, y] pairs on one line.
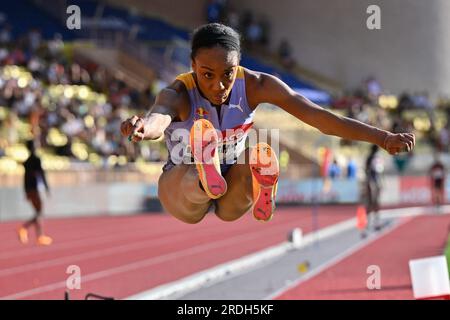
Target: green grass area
[[447, 253]]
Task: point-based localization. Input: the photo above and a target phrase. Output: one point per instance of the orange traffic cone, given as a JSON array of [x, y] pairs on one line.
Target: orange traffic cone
[[361, 218]]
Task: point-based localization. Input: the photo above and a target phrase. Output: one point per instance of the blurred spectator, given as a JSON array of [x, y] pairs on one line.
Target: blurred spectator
[[232, 18], [41, 93], [265, 31], [351, 169], [284, 160], [437, 181], [421, 100], [34, 39], [285, 54], [373, 89], [404, 102], [350, 102], [362, 114], [9, 130], [34, 175], [5, 35], [2, 145], [16, 56], [325, 160], [245, 21], [253, 34], [255, 31], [56, 45], [443, 144], [373, 170], [214, 11], [401, 125], [334, 171]]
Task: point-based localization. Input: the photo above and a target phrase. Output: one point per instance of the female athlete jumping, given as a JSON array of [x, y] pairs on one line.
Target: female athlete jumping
[[199, 115]]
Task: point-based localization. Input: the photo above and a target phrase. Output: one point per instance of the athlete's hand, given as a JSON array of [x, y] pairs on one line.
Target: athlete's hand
[[395, 143], [133, 128]]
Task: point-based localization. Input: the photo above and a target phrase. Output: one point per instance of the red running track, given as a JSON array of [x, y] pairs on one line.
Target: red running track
[[122, 256], [420, 237]]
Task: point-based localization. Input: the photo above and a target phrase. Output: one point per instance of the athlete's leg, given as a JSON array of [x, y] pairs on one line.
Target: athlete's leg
[[36, 203], [186, 190], [377, 218], [441, 197], [369, 203], [239, 199], [180, 194]]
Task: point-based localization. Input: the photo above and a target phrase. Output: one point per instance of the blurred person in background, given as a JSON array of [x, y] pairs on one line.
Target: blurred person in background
[[334, 172], [352, 169], [285, 54], [437, 181], [215, 11], [34, 175], [373, 89], [373, 189], [221, 95]]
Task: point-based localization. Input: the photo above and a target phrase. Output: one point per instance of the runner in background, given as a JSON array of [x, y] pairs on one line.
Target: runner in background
[[437, 182], [34, 175], [373, 189]]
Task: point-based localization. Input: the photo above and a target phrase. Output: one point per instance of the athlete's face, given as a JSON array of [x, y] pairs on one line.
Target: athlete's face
[[215, 69]]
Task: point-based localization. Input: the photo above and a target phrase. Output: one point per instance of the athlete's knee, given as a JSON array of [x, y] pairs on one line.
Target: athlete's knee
[[186, 212], [35, 219]]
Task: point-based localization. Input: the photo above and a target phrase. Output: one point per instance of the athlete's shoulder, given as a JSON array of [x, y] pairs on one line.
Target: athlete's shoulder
[[250, 75], [254, 86], [187, 80], [175, 97], [255, 80], [178, 86], [251, 79]]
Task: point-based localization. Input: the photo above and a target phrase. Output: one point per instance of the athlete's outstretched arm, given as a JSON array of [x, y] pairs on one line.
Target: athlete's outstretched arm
[[154, 123], [270, 89]]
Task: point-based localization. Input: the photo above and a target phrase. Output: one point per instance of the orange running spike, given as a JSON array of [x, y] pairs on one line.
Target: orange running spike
[[44, 240], [265, 171], [23, 235], [361, 218], [204, 142]]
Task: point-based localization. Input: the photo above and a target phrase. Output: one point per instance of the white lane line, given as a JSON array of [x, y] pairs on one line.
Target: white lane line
[[75, 243], [152, 261], [225, 270], [333, 261], [175, 255], [153, 241], [406, 214], [221, 271]]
